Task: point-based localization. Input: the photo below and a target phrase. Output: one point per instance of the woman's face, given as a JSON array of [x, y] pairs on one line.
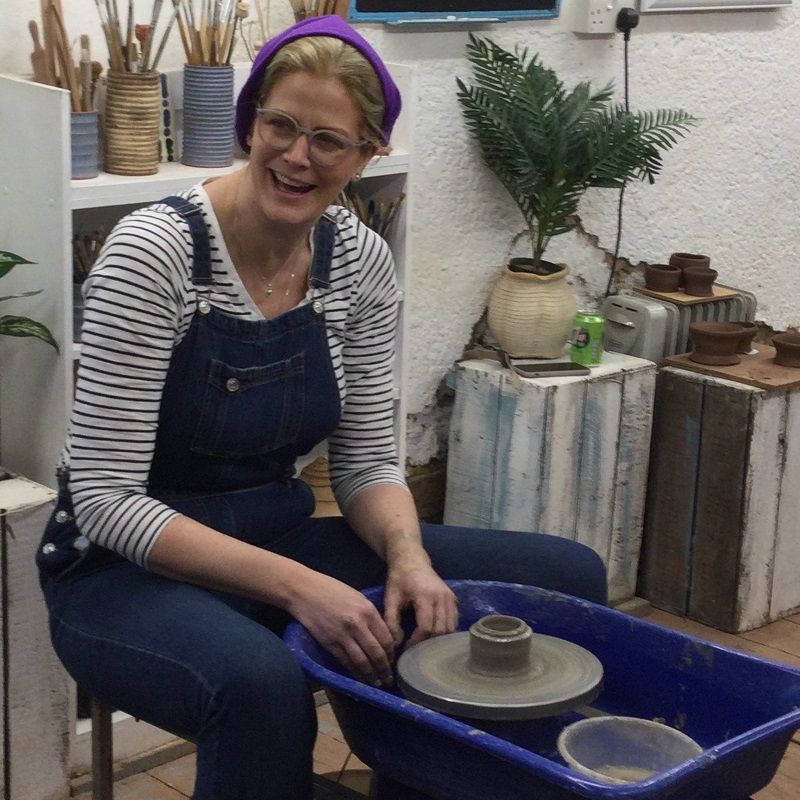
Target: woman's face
[[291, 189]]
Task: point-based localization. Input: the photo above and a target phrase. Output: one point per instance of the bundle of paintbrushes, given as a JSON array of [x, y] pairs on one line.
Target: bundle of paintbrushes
[[132, 46], [303, 9], [375, 212], [52, 60]]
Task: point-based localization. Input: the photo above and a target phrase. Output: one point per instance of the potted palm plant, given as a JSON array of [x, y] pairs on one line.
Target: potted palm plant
[[11, 325], [547, 146]]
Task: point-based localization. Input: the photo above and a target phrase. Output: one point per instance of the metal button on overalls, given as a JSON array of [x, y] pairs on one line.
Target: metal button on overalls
[[62, 516], [232, 385], [203, 306], [317, 306]]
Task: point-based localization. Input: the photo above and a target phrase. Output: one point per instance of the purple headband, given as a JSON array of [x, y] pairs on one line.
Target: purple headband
[[329, 25]]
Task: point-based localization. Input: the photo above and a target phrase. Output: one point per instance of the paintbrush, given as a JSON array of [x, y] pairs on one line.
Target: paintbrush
[[86, 74], [187, 47], [165, 36], [62, 53], [149, 43], [242, 11]]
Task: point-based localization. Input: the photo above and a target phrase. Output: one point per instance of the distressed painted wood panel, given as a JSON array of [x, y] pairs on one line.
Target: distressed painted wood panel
[[36, 749], [669, 512], [563, 456], [476, 408], [716, 545], [735, 509], [765, 467], [786, 575], [633, 458]]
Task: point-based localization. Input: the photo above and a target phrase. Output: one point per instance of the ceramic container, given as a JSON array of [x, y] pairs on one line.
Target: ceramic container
[[84, 144], [699, 281], [531, 315], [715, 343], [662, 277], [787, 349], [749, 331], [207, 116], [132, 123], [683, 260]]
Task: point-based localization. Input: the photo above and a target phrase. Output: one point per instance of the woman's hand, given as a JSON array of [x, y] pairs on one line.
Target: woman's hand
[[347, 625], [415, 584]]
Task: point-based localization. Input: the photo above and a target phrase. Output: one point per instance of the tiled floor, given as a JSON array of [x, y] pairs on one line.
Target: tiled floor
[[779, 641]]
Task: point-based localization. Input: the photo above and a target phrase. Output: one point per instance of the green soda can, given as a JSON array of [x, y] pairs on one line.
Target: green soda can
[[587, 338]]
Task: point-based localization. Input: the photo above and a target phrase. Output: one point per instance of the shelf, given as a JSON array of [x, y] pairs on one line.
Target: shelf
[[116, 190]]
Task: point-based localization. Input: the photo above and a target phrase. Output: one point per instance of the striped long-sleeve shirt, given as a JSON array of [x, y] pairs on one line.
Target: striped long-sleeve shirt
[[138, 303]]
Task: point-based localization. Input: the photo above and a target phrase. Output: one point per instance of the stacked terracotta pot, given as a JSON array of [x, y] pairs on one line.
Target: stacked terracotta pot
[[687, 272]]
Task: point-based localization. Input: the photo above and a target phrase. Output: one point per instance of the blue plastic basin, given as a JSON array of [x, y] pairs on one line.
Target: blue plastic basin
[[742, 710]]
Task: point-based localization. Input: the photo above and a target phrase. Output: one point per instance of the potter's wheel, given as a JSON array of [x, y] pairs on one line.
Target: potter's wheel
[[499, 670]]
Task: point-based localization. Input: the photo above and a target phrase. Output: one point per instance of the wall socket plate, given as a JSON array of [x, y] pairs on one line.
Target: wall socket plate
[[596, 16]]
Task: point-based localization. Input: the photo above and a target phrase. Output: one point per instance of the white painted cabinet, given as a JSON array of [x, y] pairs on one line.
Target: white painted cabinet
[[38, 203]]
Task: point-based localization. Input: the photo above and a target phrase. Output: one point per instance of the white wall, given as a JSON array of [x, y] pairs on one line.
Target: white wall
[[731, 189]]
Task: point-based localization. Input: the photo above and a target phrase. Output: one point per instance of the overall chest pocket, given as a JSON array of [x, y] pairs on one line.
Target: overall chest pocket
[[250, 410]]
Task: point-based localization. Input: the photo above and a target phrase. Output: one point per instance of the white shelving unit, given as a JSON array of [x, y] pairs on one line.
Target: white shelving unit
[[37, 205]]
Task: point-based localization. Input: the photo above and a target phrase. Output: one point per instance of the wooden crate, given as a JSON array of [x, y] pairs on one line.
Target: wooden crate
[[36, 708], [721, 541], [566, 456]]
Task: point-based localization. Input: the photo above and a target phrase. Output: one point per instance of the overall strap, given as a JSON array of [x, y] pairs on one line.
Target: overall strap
[[201, 259], [324, 236]]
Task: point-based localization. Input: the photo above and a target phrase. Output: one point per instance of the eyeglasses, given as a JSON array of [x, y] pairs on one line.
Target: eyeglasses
[[325, 148]]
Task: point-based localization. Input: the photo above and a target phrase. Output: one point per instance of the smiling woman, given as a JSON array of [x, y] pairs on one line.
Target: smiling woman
[[228, 331]]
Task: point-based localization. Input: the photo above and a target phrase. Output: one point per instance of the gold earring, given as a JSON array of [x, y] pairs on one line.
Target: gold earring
[[357, 176]]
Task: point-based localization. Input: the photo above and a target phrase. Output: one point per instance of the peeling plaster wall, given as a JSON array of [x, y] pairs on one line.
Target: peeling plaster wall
[[731, 189]]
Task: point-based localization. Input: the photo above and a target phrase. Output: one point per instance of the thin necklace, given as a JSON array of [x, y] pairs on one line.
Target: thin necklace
[[268, 291]]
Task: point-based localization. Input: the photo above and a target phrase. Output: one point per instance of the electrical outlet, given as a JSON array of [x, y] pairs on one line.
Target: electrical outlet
[[596, 16]]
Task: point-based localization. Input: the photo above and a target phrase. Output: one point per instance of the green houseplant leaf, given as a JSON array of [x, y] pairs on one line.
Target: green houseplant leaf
[[11, 325], [547, 145]]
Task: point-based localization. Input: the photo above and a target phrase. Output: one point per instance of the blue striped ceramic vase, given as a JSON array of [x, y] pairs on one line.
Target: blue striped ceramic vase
[[207, 116]]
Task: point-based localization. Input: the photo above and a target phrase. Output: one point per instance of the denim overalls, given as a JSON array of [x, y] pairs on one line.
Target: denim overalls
[[242, 400]]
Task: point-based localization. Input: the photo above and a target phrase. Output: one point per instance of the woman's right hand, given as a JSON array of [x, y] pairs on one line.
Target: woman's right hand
[[347, 625]]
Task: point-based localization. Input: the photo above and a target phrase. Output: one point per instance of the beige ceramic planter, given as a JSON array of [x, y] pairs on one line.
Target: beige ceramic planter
[[532, 315]]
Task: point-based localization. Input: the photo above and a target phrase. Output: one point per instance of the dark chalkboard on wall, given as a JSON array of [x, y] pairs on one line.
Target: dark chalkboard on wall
[[409, 11]]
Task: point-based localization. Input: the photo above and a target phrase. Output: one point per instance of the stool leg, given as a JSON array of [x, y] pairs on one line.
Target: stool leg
[[102, 752]]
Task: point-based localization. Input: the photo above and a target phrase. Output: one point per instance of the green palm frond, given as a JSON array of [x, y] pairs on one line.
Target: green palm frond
[[547, 145]]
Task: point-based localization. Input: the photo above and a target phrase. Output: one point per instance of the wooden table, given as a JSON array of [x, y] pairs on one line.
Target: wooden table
[[566, 456], [722, 525]]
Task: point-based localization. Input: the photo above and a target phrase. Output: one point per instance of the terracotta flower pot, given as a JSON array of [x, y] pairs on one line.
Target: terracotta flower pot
[[749, 331], [787, 349], [662, 277], [531, 315], [698, 281], [715, 342]]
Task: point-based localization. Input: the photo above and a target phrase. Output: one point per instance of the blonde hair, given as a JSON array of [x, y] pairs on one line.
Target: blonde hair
[[330, 57]]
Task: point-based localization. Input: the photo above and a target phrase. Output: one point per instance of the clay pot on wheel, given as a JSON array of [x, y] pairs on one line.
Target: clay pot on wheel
[[698, 281], [715, 343], [749, 331], [787, 349], [662, 277]]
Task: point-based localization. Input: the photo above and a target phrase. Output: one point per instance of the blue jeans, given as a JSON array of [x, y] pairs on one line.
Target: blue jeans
[[212, 667]]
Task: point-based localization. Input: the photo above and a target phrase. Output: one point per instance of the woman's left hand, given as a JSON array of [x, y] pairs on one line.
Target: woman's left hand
[[418, 586]]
